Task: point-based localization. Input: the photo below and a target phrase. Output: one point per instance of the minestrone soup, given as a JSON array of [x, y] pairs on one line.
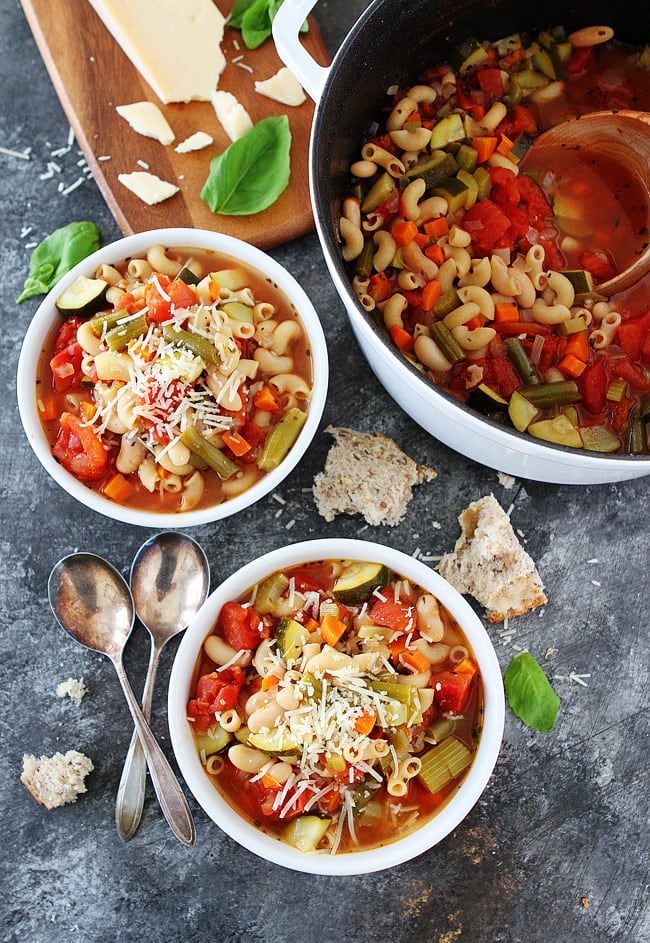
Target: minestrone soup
[[336, 705]]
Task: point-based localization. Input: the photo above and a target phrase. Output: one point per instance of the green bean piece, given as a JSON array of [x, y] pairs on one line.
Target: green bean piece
[[447, 342], [200, 346], [521, 362], [106, 320], [363, 263], [560, 393], [210, 454], [446, 303], [280, 439], [120, 335], [638, 436]]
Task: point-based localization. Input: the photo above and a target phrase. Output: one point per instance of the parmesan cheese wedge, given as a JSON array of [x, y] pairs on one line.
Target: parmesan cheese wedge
[[231, 114], [195, 142], [175, 46], [147, 119], [282, 87], [147, 187]]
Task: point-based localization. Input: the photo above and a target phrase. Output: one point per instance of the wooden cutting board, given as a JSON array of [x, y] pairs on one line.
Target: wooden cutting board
[[92, 75]]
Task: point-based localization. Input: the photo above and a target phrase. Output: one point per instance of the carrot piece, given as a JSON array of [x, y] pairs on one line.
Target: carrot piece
[[47, 409], [88, 411], [571, 366], [270, 782], [505, 311], [416, 659], [236, 443], [380, 287], [118, 488], [430, 294], [125, 301], [421, 239], [397, 646], [435, 253], [401, 338], [269, 681], [485, 147], [578, 345], [466, 666], [365, 723], [331, 801], [436, 227], [475, 322], [267, 399], [331, 629], [213, 289], [504, 146], [403, 232]]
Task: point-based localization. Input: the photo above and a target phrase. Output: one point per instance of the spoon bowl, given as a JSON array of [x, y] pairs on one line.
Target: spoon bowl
[[170, 578], [624, 137], [93, 603]]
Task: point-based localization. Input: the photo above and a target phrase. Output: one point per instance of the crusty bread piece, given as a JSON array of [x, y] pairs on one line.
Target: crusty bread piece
[[368, 474], [55, 780], [489, 563], [75, 689]]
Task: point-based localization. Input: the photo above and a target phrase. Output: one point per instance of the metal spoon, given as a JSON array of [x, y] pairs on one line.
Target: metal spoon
[[170, 577], [92, 602]]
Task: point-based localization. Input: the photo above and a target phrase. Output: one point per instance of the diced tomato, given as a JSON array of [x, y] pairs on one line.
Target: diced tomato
[[622, 367], [79, 449], [158, 299], [351, 774], [67, 333], [504, 189], [487, 224], [551, 352], [598, 265], [380, 286], [294, 802], [66, 368], [619, 414], [395, 615], [518, 120], [305, 582], [632, 335], [553, 258], [220, 689], [241, 626], [182, 294], [534, 199], [451, 691], [593, 386], [500, 374], [491, 84], [580, 61]]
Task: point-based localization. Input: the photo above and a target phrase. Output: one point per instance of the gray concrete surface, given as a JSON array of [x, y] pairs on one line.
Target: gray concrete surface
[[557, 847]]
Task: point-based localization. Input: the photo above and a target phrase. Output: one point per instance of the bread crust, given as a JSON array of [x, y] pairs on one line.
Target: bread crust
[[368, 474], [56, 780], [489, 563]]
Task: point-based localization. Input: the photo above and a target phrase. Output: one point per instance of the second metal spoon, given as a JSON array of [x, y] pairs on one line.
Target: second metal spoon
[[170, 578]]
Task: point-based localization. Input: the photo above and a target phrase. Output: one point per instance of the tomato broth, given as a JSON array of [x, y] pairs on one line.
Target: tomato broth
[[329, 699], [185, 384]]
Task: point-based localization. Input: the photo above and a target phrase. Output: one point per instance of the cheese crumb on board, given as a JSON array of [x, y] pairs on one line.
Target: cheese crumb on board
[[176, 47], [148, 187], [282, 87], [195, 142], [147, 119], [72, 688], [56, 780], [489, 563], [231, 114]]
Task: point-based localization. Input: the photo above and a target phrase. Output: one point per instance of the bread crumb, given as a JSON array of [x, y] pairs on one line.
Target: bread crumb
[[489, 563], [367, 474], [72, 688], [56, 780], [506, 481]]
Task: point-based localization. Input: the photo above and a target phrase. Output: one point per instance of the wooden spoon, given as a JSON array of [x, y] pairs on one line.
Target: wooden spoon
[[624, 136]]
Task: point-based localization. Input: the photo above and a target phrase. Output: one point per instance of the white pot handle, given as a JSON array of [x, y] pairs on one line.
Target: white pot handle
[[286, 34]]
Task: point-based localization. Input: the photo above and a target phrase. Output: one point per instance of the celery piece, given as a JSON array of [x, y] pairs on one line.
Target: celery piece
[[484, 182], [280, 439], [306, 832], [472, 187], [443, 762], [210, 454], [572, 326], [616, 390], [440, 729]]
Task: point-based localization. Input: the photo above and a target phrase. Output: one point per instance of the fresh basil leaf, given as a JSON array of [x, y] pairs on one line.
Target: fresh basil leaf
[[237, 13], [56, 255], [256, 24], [530, 694], [252, 173]]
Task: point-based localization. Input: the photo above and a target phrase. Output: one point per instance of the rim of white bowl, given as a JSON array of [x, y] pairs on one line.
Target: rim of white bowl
[[41, 326], [272, 849]]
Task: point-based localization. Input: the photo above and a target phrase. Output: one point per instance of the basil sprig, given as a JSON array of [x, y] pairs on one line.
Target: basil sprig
[[56, 255], [530, 694], [252, 173], [254, 19]]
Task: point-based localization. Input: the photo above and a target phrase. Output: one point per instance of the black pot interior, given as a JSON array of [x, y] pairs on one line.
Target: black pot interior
[[395, 41]]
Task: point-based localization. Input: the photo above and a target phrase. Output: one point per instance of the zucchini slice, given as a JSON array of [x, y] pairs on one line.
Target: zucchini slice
[[84, 297], [290, 636], [275, 740], [358, 581], [306, 832]]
